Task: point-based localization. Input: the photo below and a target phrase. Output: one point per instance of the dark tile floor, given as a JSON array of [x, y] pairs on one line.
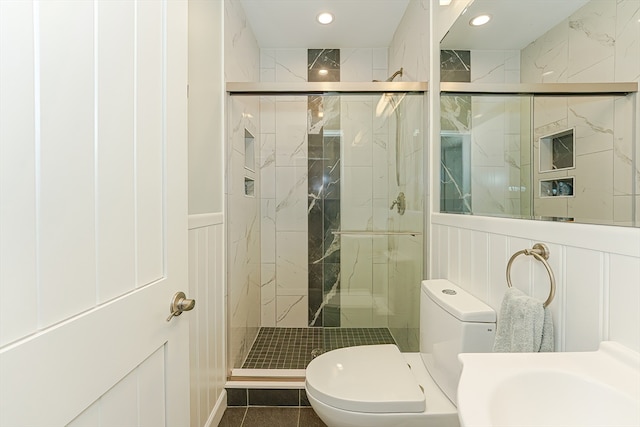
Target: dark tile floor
[[291, 348], [261, 416]]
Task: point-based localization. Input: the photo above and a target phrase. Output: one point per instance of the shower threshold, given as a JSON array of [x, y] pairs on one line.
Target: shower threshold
[[279, 356]]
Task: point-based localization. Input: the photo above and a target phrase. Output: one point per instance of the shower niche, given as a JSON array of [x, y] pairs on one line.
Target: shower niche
[[249, 164], [557, 151], [562, 187]]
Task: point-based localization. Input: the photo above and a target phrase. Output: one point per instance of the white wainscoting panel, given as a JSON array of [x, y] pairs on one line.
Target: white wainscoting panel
[[597, 272], [207, 322]]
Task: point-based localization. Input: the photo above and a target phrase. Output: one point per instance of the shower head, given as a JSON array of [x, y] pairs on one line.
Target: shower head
[[393, 76]]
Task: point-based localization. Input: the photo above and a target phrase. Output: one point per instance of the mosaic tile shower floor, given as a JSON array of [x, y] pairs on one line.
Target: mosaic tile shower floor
[[291, 348]]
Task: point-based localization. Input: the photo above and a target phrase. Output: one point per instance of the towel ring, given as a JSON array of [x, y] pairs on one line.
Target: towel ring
[[541, 253]]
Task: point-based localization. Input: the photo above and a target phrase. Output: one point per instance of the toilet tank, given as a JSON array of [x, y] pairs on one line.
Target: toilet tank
[[452, 321]]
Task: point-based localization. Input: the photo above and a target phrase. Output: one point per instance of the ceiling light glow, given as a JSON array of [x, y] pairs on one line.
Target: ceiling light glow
[[325, 18], [445, 2], [323, 72], [480, 20]]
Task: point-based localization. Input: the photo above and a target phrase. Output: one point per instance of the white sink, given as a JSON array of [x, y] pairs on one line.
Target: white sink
[[581, 389]]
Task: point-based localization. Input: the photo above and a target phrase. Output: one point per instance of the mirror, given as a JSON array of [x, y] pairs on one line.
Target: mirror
[[562, 157]]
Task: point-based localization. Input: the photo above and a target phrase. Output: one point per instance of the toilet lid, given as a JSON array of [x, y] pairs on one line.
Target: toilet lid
[[372, 378]]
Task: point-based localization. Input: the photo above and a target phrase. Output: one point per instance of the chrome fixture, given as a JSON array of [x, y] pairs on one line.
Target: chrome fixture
[[400, 202], [385, 99]]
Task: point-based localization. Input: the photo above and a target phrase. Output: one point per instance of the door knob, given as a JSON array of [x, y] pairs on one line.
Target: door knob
[[180, 303]]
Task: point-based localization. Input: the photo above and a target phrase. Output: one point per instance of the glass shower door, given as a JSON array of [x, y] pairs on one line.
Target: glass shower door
[[373, 229]]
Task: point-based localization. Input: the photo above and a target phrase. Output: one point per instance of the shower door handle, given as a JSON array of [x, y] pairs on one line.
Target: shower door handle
[[401, 202], [180, 303]]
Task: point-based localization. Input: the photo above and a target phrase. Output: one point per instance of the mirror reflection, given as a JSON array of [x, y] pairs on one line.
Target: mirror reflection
[[563, 158]]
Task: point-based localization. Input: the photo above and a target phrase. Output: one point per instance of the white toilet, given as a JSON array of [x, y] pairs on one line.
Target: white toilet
[[377, 386]]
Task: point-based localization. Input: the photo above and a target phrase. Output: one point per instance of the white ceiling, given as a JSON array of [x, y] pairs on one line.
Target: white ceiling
[[514, 23], [292, 23], [372, 23]]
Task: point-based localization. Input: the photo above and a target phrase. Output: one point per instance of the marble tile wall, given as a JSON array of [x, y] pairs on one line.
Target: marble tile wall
[[396, 261], [409, 49], [495, 66], [495, 154], [283, 199], [242, 56], [243, 231], [492, 126], [358, 295], [293, 237], [598, 43], [410, 46], [380, 272]]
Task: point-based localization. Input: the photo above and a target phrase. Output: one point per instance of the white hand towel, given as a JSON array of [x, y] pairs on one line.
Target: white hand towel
[[524, 325]]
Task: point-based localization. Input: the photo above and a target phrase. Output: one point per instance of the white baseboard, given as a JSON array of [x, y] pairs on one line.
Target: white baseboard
[[218, 410]]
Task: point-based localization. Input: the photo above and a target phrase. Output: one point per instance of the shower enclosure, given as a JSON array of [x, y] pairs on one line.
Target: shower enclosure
[[325, 195]]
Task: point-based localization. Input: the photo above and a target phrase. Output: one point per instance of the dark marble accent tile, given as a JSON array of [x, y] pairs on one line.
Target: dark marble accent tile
[[233, 417], [332, 246], [236, 397], [324, 76], [317, 323], [315, 276], [263, 417], [316, 148], [332, 182], [315, 302], [331, 173], [331, 273], [308, 418], [331, 316], [455, 76], [315, 232], [331, 310], [315, 115], [331, 221], [455, 113], [455, 66], [323, 59], [331, 215], [273, 397], [316, 180]]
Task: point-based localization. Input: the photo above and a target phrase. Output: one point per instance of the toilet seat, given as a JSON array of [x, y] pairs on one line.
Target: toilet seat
[[370, 379]]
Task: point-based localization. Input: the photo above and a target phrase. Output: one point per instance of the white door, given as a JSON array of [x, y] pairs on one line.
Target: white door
[[93, 213]]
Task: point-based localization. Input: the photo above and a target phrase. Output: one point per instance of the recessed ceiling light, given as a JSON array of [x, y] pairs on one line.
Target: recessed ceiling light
[[325, 18], [480, 20], [323, 72], [445, 2]]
